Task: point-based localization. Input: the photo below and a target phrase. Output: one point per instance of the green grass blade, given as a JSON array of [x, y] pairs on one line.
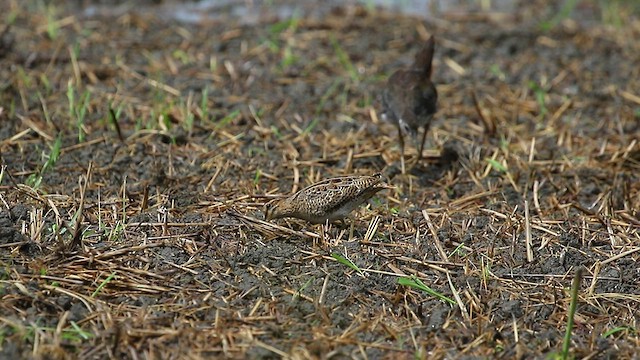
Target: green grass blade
[[575, 287], [343, 260], [103, 284], [418, 284]]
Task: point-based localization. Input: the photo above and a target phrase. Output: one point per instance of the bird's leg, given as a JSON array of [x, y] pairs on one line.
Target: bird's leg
[[401, 140], [341, 223], [424, 137], [421, 145], [325, 229]]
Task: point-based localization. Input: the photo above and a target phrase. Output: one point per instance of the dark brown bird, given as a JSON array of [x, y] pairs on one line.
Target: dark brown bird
[[410, 98]]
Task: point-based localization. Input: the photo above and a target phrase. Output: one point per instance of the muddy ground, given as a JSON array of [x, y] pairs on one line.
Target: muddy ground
[[137, 154]]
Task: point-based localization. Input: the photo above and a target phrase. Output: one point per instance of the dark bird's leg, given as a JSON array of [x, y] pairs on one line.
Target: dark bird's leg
[[424, 138]]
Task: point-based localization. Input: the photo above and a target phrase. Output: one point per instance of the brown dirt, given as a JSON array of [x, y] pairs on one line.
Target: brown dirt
[[144, 238]]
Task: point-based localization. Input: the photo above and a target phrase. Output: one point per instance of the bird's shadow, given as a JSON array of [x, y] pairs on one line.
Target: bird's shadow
[[429, 171]]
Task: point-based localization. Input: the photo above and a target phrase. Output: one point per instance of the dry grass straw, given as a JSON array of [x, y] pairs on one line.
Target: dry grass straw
[[146, 240]]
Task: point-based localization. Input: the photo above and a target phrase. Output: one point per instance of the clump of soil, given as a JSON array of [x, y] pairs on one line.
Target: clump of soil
[[138, 153]]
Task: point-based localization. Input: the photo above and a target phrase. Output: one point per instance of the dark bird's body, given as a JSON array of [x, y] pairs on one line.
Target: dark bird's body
[[410, 98], [328, 200]]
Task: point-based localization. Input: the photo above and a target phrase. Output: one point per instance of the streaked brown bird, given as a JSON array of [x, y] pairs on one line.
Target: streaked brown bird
[[410, 98], [328, 200]]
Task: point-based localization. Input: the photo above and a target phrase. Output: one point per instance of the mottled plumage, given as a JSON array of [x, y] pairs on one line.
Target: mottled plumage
[[410, 97], [331, 199]]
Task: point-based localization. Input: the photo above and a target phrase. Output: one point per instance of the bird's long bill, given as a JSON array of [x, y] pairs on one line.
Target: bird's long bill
[[387, 186]]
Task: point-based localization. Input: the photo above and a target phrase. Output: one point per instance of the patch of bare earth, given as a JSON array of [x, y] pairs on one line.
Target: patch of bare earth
[[143, 237]]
